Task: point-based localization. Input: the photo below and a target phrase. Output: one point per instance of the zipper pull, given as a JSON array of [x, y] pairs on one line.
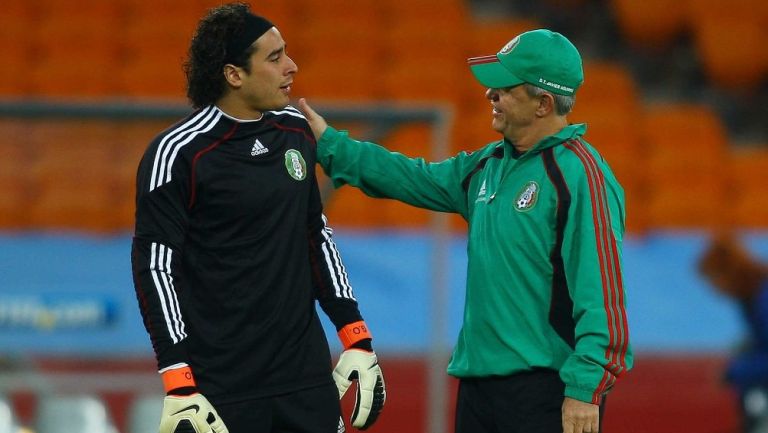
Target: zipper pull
[[490, 199]]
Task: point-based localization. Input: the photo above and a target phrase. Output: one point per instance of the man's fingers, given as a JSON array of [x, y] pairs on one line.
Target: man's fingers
[[567, 427], [316, 121], [342, 383], [580, 417], [595, 426], [309, 113]]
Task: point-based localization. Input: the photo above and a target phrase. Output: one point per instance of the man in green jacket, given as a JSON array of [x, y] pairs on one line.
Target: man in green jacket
[[545, 332]]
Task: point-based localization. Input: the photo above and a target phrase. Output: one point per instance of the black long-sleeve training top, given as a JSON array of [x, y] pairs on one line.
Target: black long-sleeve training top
[[230, 252]]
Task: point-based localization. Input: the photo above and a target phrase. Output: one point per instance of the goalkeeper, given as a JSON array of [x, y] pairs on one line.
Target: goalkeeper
[[231, 252], [545, 332]]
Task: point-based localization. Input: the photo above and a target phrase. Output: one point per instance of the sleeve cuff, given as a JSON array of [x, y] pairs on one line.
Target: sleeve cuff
[[587, 396]]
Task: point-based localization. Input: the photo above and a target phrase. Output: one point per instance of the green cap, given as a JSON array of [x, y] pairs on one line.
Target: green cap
[[541, 57]]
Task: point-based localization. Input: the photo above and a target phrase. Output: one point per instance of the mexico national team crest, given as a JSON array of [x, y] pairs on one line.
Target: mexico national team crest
[[527, 197], [510, 45], [295, 164]]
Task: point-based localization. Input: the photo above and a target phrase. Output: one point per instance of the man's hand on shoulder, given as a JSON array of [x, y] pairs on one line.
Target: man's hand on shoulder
[[316, 122]]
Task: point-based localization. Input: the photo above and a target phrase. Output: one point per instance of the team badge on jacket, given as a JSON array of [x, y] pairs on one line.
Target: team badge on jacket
[[295, 164], [527, 197]]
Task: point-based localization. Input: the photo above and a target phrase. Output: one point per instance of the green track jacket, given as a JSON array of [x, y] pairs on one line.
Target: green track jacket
[[544, 280]]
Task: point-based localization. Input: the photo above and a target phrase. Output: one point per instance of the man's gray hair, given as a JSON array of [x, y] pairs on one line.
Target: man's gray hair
[[563, 104]]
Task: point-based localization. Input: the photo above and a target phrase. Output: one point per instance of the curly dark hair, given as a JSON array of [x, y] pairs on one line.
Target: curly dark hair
[[208, 53]]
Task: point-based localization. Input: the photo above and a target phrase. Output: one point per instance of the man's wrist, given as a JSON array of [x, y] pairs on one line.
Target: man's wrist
[[355, 333], [178, 380]]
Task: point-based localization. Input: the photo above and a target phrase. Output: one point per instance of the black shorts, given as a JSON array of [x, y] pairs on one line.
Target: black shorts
[[313, 410], [529, 402]]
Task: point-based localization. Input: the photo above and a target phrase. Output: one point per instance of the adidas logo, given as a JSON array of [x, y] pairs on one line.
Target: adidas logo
[[258, 148], [481, 193]]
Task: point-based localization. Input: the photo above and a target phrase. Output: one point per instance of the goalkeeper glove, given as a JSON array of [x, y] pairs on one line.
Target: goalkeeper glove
[[361, 365], [184, 409], [190, 414]]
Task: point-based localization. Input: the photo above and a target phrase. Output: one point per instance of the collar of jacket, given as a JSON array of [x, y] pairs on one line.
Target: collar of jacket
[[571, 131]]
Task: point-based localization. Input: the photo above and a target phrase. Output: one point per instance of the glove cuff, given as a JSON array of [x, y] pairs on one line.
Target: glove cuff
[[180, 378], [353, 333]]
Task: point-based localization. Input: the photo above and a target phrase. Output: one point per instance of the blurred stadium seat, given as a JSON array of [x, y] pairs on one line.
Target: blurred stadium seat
[[16, 182], [75, 183], [746, 198], [153, 51], [728, 37], [75, 48], [406, 51], [650, 24], [684, 146], [68, 414], [488, 36], [8, 421], [144, 414], [17, 48]]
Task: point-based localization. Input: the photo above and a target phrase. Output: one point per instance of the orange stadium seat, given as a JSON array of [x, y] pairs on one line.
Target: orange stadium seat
[[337, 60], [17, 48], [153, 54], [683, 129], [488, 36], [651, 24], [435, 81], [412, 140], [728, 37], [732, 52], [746, 200], [74, 177], [698, 204], [16, 187], [365, 14], [75, 48], [154, 43], [609, 85], [351, 208], [74, 204], [684, 146], [345, 81], [428, 12], [427, 66]]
